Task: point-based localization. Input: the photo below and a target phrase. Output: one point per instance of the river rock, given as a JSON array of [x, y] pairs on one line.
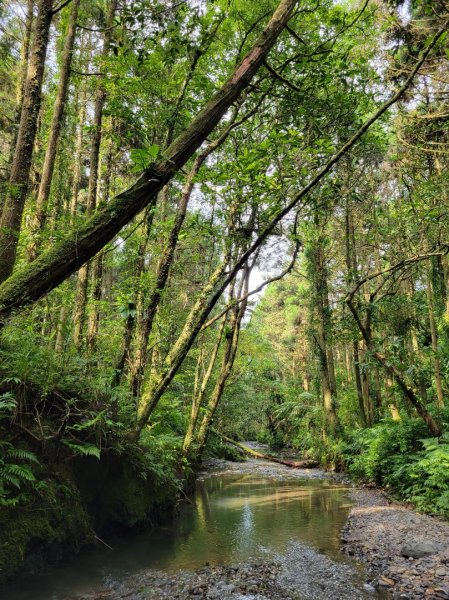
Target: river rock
[[420, 548]]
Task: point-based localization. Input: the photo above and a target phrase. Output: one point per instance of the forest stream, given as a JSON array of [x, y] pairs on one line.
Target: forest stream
[[253, 530]]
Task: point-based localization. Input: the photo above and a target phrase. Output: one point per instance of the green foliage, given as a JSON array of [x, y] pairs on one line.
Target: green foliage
[[143, 157], [217, 448], [398, 456], [17, 477], [376, 452]]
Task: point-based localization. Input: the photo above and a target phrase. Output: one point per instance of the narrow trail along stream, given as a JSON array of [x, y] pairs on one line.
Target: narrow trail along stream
[[254, 530]]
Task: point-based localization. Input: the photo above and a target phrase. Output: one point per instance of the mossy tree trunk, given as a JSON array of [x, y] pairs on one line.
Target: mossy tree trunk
[[231, 335], [14, 204], [73, 250], [43, 193], [199, 392]]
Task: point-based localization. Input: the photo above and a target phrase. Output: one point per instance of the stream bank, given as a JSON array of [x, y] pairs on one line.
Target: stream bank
[[80, 503], [405, 552], [268, 499]]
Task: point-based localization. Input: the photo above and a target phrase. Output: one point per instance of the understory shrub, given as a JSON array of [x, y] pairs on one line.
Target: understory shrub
[[401, 457]]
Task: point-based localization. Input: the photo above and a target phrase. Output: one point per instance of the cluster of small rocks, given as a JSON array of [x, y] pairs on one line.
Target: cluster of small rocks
[[262, 468], [301, 574], [315, 576], [405, 553], [243, 582]]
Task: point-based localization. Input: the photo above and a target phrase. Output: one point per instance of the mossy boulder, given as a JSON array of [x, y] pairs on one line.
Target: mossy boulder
[[120, 496], [43, 531]]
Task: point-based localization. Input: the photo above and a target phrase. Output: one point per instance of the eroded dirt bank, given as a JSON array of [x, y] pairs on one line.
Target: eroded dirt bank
[[405, 552]]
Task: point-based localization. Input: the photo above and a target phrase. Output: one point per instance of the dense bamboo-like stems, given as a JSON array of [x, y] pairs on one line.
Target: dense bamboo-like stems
[[14, 204], [43, 193], [69, 253]]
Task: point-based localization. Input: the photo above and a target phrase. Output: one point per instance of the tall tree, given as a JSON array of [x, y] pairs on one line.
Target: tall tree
[[43, 193], [13, 206]]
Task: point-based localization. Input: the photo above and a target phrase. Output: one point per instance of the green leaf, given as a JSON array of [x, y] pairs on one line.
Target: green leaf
[[84, 449]]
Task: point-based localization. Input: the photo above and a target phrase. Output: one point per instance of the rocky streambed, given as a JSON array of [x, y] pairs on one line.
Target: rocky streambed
[[405, 555], [405, 552], [262, 531], [311, 567]]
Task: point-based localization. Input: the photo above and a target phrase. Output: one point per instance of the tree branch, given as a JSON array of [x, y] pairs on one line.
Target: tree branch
[[60, 7], [256, 290]]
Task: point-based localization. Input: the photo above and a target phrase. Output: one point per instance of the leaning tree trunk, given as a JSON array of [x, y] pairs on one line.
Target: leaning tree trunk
[[11, 219], [196, 318], [230, 351], [198, 394], [307, 463], [75, 248], [69, 253]]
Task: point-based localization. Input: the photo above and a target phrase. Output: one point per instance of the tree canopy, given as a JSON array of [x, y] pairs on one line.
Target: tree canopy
[[225, 217]]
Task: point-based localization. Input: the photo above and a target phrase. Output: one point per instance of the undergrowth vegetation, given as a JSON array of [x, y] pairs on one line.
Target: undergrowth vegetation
[[400, 456]]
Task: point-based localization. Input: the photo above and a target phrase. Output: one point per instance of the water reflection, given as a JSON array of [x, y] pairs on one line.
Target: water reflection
[[231, 519]]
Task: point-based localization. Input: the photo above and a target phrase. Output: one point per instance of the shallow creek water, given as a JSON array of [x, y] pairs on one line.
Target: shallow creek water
[[236, 516]]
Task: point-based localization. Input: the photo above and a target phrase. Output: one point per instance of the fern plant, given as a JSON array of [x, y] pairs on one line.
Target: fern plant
[[17, 478]]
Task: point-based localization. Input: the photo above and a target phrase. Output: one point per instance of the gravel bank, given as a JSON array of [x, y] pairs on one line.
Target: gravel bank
[[301, 574], [405, 552]]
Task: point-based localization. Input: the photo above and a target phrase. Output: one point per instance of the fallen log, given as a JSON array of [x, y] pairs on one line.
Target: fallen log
[[300, 464]]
